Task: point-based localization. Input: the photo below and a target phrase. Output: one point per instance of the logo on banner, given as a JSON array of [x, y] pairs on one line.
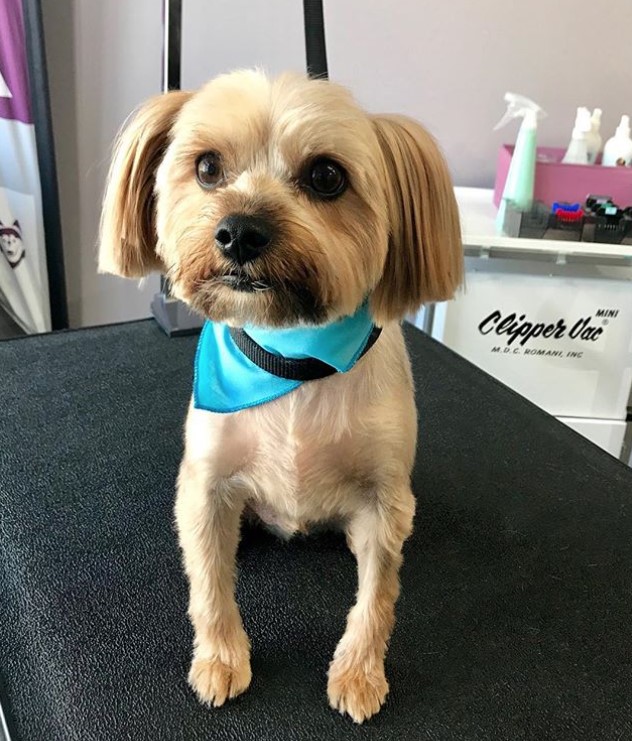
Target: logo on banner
[[11, 243], [4, 88], [519, 333], [15, 100]]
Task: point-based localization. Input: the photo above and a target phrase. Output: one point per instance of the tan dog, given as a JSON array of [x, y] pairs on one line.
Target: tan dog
[[358, 206]]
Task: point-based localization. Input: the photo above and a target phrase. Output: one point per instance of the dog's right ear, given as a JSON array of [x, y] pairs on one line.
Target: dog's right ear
[[127, 241]]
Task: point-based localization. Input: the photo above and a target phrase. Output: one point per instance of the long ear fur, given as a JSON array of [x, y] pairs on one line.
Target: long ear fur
[[127, 233], [425, 257]]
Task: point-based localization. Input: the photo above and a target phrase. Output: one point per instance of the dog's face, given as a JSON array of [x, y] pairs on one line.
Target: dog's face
[[280, 202], [270, 207]]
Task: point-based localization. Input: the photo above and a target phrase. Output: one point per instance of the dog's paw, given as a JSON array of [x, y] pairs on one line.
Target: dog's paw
[[214, 682], [356, 692]]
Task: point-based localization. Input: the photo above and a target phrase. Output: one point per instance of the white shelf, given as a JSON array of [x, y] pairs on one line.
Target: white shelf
[[478, 215]]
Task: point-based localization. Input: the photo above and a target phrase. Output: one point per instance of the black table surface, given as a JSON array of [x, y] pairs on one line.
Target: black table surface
[[515, 619]]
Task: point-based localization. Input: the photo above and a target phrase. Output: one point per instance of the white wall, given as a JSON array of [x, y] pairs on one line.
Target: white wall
[[446, 63]]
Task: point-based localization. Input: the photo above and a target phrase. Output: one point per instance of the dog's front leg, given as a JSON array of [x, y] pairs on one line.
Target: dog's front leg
[[208, 514], [357, 684]]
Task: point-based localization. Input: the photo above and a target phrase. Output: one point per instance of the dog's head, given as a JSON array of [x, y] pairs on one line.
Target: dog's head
[[279, 202]]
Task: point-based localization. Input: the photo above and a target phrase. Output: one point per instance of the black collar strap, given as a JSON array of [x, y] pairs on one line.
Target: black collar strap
[[292, 369]]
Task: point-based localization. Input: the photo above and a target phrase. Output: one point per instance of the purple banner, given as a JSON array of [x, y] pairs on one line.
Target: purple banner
[[23, 274], [14, 80]]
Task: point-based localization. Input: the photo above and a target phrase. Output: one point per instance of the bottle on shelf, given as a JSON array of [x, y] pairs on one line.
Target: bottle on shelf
[[577, 152], [617, 151], [593, 139]]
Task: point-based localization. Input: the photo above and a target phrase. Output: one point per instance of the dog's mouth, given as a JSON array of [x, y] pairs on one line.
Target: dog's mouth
[[233, 295], [244, 283]]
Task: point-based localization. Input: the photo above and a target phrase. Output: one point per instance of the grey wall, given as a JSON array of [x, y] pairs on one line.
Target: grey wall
[[223, 35], [103, 58], [449, 64], [446, 63]]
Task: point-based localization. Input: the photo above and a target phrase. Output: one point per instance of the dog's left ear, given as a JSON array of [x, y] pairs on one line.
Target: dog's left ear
[[425, 257]]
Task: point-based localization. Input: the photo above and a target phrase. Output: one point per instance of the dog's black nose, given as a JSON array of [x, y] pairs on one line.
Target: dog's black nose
[[242, 238]]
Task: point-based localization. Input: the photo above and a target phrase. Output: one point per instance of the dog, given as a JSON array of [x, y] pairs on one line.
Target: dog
[[280, 206]]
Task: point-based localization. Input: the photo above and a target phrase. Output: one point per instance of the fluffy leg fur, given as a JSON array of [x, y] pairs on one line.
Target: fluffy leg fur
[[208, 517], [357, 684]]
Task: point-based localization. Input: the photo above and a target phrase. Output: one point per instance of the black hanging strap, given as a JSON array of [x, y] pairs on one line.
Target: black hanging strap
[[172, 45], [315, 49], [292, 369]]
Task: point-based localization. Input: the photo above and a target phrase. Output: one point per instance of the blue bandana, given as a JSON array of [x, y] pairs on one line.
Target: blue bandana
[[225, 380]]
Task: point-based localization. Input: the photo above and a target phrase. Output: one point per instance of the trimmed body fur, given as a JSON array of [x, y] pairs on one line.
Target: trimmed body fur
[[340, 449]]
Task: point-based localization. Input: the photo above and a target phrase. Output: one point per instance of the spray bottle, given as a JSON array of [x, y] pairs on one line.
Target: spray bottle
[[519, 185], [577, 152], [593, 140], [618, 149]]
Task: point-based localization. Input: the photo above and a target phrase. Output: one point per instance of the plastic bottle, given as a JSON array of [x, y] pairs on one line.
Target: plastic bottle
[[618, 150], [519, 185], [593, 139], [577, 152]]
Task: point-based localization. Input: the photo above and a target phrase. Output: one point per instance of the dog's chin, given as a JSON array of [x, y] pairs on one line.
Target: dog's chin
[[237, 299], [242, 283]]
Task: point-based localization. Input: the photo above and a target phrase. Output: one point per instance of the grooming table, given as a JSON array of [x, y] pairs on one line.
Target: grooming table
[[515, 619]]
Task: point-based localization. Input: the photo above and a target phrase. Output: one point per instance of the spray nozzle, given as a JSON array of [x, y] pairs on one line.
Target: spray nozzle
[[520, 106], [583, 122], [623, 129], [596, 119]]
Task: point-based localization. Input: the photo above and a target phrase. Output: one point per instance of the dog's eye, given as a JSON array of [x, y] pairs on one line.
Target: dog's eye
[[208, 170], [326, 178]]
